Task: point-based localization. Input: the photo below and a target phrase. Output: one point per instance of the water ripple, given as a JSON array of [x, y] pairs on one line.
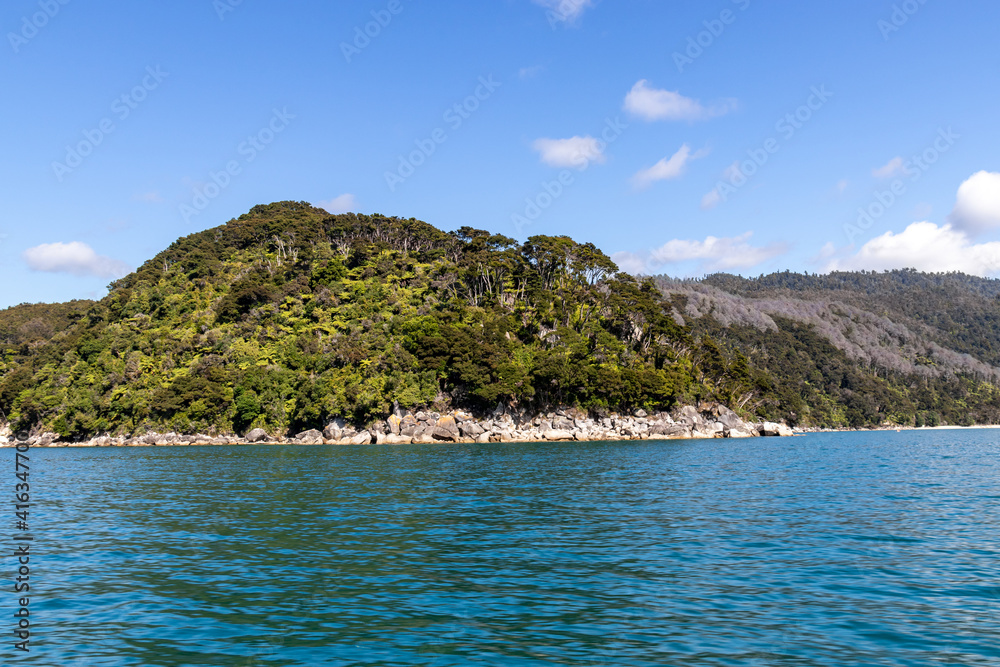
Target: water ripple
[[835, 549]]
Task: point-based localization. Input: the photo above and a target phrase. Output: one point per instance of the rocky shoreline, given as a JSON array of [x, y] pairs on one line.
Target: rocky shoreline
[[403, 428]]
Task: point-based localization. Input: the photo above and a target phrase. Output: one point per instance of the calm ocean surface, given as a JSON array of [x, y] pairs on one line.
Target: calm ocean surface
[[832, 549]]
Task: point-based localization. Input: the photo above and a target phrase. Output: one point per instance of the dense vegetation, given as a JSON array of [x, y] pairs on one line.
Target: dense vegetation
[[287, 317]]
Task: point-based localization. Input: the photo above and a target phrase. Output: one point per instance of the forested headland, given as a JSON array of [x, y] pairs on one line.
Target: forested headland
[[288, 317]]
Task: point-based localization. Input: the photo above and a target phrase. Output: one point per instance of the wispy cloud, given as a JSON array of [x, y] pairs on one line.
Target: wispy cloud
[[657, 104], [712, 254], [890, 169], [573, 152], [345, 203], [668, 168], [75, 258]]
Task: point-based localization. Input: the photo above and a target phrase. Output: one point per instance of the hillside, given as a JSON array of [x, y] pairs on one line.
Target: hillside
[[288, 317], [899, 343]]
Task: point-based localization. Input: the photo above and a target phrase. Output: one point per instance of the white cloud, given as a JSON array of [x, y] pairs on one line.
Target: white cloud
[[565, 11], [977, 208], [926, 247], [573, 152], [842, 186], [667, 168], [712, 254], [656, 104], [76, 258], [890, 169], [342, 204]]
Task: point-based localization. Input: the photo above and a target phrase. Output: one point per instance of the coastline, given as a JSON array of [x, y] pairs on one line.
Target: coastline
[[706, 421]]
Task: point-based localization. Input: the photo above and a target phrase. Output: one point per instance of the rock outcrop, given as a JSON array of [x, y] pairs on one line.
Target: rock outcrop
[[707, 420]]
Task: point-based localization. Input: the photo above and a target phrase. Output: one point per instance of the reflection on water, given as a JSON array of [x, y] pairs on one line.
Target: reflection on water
[[834, 549]]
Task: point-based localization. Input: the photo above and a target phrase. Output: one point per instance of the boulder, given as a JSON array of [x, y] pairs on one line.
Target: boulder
[[563, 424], [257, 435], [43, 440], [665, 430], [730, 419], [471, 429], [739, 433], [690, 416], [640, 413], [393, 439], [311, 437], [773, 430], [484, 438], [709, 430], [444, 434], [557, 434], [363, 438], [394, 423], [446, 429], [335, 429]]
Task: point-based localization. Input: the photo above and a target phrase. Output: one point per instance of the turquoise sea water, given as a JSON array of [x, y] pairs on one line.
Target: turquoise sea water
[[831, 549]]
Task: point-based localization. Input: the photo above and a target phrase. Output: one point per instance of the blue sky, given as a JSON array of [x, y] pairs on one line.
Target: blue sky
[[605, 121]]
